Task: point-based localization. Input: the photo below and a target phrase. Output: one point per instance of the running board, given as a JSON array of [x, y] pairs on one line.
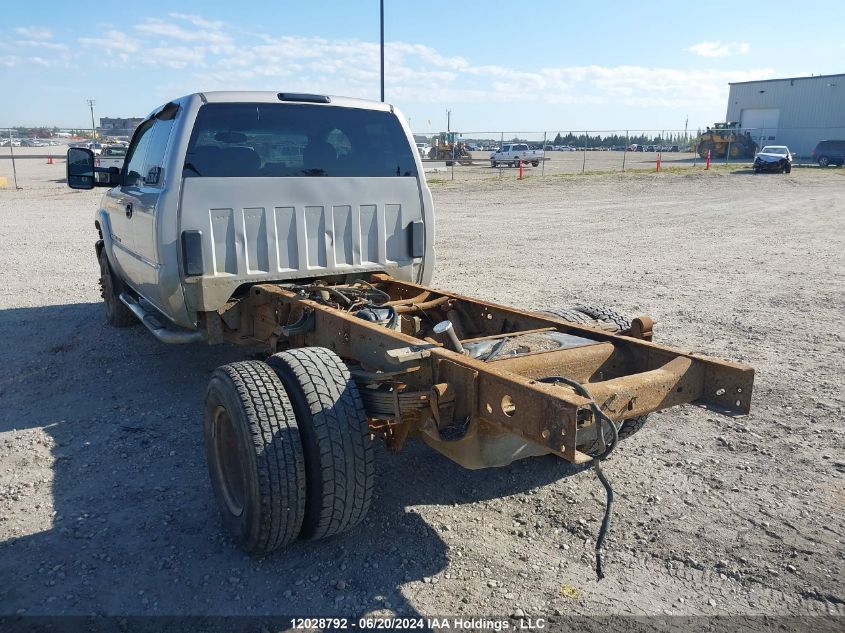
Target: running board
[[151, 320]]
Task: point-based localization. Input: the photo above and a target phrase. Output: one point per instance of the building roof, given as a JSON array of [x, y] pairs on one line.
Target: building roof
[[760, 81]]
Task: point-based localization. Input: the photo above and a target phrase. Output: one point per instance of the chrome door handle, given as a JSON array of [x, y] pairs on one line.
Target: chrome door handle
[[129, 210]]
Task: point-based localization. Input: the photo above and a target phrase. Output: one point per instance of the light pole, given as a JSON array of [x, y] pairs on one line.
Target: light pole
[[91, 103], [382, 50]]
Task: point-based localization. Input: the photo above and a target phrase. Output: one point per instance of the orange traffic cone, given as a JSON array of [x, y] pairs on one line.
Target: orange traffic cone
[[658, 161], [707, 166], [50, 159], [520, 170]]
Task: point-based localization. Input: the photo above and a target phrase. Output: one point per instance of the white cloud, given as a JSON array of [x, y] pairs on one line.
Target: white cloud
[[718, 49], [167, 29], [41, 44], [197, 20], [113, 40], [34, 32], [173, 56], [420, 73], [213, 56]]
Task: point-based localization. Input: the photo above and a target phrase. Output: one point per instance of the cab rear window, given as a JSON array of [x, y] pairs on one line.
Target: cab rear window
[[272, 140]]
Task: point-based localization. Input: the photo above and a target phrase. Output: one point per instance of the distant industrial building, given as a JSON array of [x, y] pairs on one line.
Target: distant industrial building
[[797, 112], [118, 127]]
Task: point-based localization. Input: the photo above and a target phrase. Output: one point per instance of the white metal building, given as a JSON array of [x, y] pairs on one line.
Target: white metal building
[[797, 111]]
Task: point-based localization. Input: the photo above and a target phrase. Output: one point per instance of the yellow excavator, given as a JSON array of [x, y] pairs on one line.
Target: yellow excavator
[[447, 147], [726, 138]]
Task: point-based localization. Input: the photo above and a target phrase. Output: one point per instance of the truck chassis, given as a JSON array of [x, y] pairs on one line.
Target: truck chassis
[[433, 387], [484, 384]]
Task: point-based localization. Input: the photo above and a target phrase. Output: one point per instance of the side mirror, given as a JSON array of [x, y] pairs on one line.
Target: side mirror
[[80, 168]]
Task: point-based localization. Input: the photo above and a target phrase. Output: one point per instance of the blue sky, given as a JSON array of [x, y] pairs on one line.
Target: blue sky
[[498, 66]]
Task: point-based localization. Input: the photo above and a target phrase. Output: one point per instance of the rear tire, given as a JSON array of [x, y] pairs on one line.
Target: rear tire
[[255, 457], [824, 161], [568, 314], [626, 430], [117, 314], [535, 164], [787, 168], [339, 454], [604, 313], [590, 313]]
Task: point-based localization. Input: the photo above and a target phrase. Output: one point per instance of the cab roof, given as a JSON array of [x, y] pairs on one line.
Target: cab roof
[[267, 96]]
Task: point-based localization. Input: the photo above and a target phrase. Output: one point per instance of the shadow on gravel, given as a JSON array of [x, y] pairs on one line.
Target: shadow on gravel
[[134, 527]]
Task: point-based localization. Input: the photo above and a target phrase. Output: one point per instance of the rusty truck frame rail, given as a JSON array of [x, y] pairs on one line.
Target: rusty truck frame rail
[[458, 404]]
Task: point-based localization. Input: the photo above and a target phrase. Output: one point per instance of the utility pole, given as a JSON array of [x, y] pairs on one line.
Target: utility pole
[[448, 120], [91, 103], [382, 50], [686, 123]]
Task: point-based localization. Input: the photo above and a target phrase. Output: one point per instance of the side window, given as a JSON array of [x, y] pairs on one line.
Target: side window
[[158, 138], [136, 155]]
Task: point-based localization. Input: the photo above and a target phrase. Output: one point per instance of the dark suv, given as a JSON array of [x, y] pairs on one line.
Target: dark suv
[[829, 153]]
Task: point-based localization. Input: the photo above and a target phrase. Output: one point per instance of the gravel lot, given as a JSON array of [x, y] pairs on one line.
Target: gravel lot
[[106, 506]]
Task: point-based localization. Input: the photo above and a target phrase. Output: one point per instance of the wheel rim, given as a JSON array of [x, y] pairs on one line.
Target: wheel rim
[[228, 464]]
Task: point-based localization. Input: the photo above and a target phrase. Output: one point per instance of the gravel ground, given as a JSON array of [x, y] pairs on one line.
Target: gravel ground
[[106, 507]]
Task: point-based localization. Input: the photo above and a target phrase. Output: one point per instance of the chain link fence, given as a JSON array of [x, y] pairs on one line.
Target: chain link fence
[[467, 155], [474, 155], [23, 151]]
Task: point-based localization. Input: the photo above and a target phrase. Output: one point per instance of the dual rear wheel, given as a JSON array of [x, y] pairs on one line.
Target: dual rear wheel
[[289, 449]]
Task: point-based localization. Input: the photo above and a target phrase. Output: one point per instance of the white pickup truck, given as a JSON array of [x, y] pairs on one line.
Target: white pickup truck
[[303, 223], [514, 153], [110, 156]]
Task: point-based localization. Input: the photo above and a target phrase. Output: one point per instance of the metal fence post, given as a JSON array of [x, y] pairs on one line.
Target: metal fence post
[[543, 164], [501, 142], [12, 152], [584, 163], [625, 151]]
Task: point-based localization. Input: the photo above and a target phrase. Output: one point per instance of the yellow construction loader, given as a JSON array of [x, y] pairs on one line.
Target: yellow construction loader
[[726, 139], [447, 147]]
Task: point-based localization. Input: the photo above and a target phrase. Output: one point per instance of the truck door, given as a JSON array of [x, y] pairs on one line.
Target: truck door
[[120, 204], [146, 194]]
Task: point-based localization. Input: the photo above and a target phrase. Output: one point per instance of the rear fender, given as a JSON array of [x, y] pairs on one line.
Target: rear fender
[[101, 222]]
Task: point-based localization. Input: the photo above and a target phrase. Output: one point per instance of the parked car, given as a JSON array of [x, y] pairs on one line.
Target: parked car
[[674, 148], [773, 158], [650, 148], [829, 153], [514, 153], [423, 149], [111, 156]]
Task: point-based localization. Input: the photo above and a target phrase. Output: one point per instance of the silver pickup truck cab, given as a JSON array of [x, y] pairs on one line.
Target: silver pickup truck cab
[[222, 190]]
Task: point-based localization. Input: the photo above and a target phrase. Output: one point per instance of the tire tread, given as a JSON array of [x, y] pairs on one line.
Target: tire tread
[[337, 437], [280, 464]]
